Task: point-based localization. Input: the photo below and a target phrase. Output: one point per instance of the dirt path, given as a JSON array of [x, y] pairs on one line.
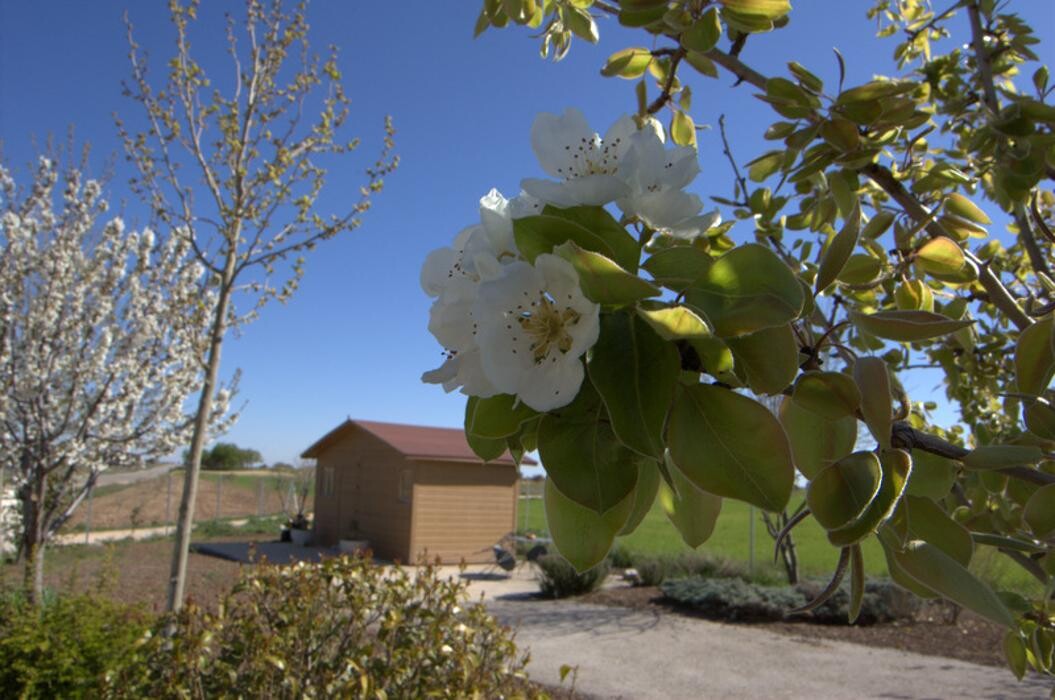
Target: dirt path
[[622, 653]]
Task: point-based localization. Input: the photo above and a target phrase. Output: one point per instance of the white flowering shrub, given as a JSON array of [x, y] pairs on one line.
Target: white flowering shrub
[[101, 345], [604, 318]]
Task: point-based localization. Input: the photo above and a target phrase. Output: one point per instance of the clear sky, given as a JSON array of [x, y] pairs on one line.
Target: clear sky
[[353, 341]]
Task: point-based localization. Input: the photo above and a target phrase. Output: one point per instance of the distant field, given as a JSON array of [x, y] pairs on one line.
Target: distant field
[[220, 495], [731, 539]]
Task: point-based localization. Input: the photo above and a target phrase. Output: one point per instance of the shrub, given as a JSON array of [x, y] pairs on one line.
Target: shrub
[[340, 628], [655, 569], [737, 600], [559, 579], [65, 647], [620, 557], [733, 599], [884, 601]]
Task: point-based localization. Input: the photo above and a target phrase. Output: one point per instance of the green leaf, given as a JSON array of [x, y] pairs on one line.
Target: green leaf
[[1015, 653], [840, 494], [908, 326], [914, 295], [682, 129], [581, 535], [770, 9], [861, 269], [1034, 358], [691, 510], [487, 449], [591, 228], [896, 466], [877, 225], [765, 165], [806, 78], [927, 521], [1040, 419], [629, 63], [959, 205], [582, 24], [941, 256], [730, 445], [870, 375], [857, 582], [936, 570], [635, 372], [602, 280], [585, 461], [1039, 512], [841, 134], [832, 395], [704, 32], [875, 90], [816, 442], [767, 359], [675, 322], [679, 267], [648, 479], [702, 64], [932, 476], [838, 252], [746, 290], [1002, 456], [495, 417]]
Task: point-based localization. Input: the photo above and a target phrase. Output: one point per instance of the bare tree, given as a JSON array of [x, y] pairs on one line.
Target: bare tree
[[256, 159], [101, 344]]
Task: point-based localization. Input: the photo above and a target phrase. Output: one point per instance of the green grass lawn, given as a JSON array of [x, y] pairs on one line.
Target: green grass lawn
[[731, 539]]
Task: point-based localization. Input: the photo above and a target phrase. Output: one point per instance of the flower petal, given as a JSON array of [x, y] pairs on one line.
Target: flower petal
[[552, 384], [436, 271], [553, 139]]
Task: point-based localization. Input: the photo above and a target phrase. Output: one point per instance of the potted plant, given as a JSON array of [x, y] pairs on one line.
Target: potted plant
[[298, 526]]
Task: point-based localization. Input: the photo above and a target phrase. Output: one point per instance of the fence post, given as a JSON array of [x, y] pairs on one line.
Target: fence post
[[751, 542], [168, 502], [260, 497], [88, 519], [219, 492]]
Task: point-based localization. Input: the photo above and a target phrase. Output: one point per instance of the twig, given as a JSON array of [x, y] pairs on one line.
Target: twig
[[668, 86], [981, 57], [740, 181]]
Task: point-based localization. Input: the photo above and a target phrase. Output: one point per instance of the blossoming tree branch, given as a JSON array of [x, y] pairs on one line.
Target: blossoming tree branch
[[606, 318]]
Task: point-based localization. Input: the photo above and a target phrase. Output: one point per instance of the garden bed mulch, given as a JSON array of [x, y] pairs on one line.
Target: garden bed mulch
[[970, 638]]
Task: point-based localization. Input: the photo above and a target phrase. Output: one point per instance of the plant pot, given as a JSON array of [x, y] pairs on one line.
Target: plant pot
[[299, 537], [353, 546]]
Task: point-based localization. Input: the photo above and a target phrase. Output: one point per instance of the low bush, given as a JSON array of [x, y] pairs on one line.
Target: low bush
[[66, 647], [655, 569], [620, 557], [736, 600], [341, 628], [733, 599], [559, 579]]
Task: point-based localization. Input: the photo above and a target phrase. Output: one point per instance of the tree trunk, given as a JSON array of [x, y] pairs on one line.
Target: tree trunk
[[33, 540], [185, 522]]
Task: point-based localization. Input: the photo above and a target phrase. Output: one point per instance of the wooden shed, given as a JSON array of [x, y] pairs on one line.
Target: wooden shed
[[411, 491]]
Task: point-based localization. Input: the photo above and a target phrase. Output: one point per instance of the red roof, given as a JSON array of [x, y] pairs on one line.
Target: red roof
[[414, 442]]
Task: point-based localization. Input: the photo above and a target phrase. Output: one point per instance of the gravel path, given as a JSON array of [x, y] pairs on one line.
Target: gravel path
[[623, 653]]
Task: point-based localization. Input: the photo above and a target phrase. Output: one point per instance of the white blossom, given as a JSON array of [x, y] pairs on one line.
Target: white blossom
[[585, 164], [533, 325], [656, 177], [101, 344], [453, 276]]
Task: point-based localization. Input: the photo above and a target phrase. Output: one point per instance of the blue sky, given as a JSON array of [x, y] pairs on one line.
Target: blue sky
[[353, 341]]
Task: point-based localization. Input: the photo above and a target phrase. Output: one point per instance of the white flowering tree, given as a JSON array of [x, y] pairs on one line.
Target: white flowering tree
[[240, 173], [604, 318], [101, 344]]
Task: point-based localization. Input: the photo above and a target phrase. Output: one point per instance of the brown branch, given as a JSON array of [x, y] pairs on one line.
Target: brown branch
[[981, 58], [907, 437], [738, 68], [998, 293], [1029, 241], [1026, 563], [668, 86]]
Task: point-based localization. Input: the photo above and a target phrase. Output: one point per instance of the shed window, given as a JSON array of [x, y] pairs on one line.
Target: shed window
[[406, 485], [327, 481]]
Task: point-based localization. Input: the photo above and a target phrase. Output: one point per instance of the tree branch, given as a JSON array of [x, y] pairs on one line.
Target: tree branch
[[998, 293], [738, 68], [981, 58], [1026, 563]]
